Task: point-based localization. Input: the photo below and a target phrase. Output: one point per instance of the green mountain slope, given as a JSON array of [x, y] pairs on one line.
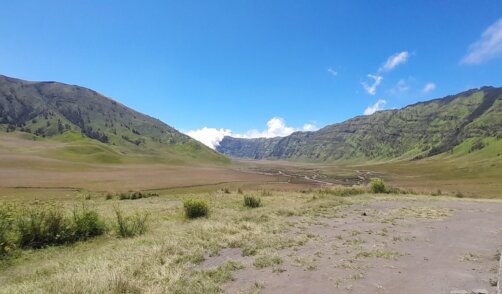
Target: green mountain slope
[[417, 131], [95, 126]]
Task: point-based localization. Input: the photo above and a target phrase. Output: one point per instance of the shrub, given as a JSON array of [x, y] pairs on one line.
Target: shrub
[[252, 202], [87, 223], [109, 196], [136, 195], [226, 191], [343, 191], [239, 191], [130, 226], [377, 186], [478, 145], [393, 190], [43, 226], [50, 225], [195, 208], [8, 238]]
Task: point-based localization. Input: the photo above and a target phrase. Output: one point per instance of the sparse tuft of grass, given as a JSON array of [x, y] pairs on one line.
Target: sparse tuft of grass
[[469, 256], [249, 251], [266, 193], [132, 225], [207, 281], [385, 254], [267, 261], [121, 285], [195, 208], [251, 201]]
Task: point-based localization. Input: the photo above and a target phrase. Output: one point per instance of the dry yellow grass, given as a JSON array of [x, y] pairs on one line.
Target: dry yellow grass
[[165, 257]]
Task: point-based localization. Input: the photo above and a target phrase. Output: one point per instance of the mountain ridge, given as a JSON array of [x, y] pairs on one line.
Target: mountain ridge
[[50, 109], [416, 131]]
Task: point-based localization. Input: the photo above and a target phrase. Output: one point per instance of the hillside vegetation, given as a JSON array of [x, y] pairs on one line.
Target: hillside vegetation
[[94, 126], [467, 120]]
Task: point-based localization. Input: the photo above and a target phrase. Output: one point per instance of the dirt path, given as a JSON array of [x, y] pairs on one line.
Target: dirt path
[[386, 247]]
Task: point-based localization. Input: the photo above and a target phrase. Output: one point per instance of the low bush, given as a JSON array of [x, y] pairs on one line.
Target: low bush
[[377, 186], [87, 223], [45, 225], [343, 191], [394, 190], [239, 191], [252, 202], [478, 145], [130, 225], [136, 195], [8, 238], [195, 208]]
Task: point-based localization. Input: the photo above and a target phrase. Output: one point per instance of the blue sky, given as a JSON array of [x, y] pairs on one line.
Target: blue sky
[[233, 66]]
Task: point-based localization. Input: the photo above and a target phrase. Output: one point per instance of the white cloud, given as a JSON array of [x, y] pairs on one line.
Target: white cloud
[[429, 87], [379, 105], [210, 137], [371, 89], [310, 127], [332, 72], [276, 127], [489, 46], [391, 63], [395, 60], [400, 89]]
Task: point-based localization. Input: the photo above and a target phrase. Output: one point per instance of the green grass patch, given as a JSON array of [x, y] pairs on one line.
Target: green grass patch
[[195, 208], [252, 201]]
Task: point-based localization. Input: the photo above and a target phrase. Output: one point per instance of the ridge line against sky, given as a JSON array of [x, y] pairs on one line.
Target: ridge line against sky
[[256, 68], [488, 47]]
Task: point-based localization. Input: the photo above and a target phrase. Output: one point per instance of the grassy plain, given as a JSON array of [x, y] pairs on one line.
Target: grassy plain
[[298, 211]]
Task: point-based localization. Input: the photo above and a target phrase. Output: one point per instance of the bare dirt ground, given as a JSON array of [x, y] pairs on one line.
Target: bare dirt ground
[[383, 247]]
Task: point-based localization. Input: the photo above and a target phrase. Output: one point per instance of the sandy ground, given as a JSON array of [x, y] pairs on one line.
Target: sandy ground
[[384, 247]]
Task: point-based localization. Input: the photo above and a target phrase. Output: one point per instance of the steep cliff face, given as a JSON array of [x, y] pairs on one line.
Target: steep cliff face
[[416, 131]]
